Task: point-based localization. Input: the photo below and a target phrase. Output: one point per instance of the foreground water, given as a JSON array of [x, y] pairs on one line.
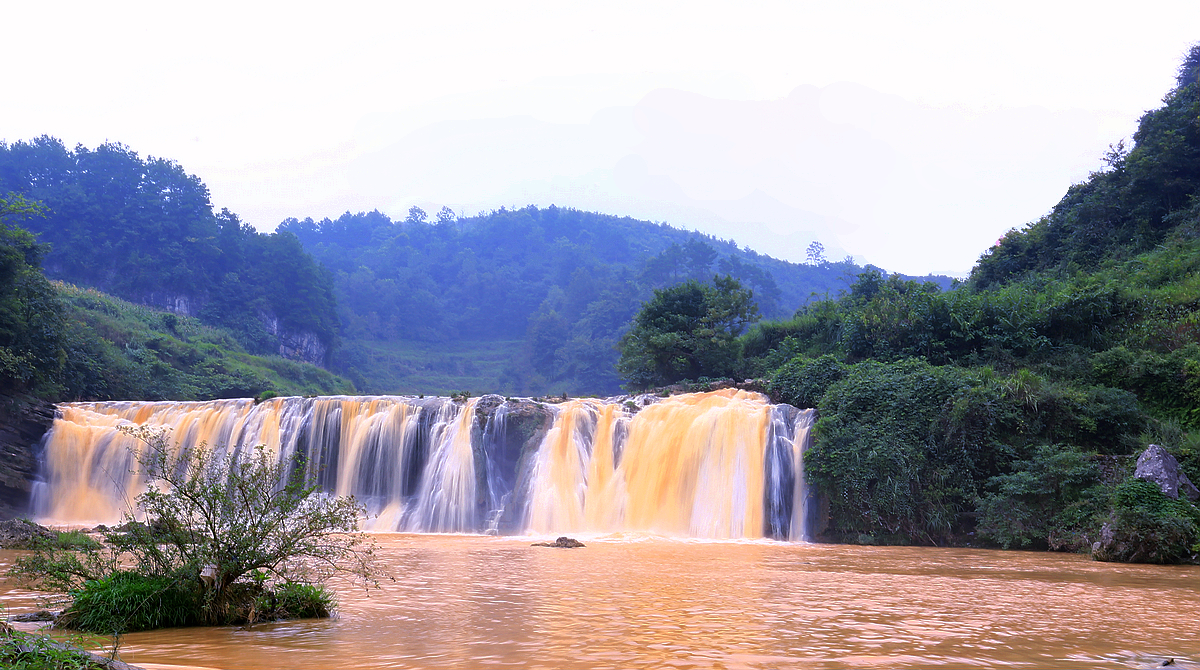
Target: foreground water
[[630, 601]]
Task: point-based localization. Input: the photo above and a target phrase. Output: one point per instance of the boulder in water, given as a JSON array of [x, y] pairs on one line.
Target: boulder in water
[[1157, 465], [560, 543], [22, 534]]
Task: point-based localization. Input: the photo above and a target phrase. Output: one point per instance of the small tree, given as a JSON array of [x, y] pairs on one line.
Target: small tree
[[816, 253], [228, 530], [687, 331]]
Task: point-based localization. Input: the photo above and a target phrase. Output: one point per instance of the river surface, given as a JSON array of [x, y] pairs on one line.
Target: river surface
[[456, 601]]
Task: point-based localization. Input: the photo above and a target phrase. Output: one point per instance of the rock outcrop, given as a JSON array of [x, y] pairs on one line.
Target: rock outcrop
[[23, 534], [23, 422], [560, 543], [1157, 465]]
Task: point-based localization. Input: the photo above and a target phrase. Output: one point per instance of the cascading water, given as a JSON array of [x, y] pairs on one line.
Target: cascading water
[[725, 464]]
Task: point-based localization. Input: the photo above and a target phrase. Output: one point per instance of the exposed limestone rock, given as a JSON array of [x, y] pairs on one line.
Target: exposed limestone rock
[[1156, 465], [295, 345], [560, 543]]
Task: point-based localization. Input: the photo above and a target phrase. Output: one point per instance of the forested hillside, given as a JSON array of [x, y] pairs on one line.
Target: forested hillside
[[523, 301], [61, 342], [146, 231], [540, 295], [1009, 411]]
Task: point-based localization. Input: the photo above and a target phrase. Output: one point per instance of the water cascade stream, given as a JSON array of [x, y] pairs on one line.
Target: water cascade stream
[[725, 464]]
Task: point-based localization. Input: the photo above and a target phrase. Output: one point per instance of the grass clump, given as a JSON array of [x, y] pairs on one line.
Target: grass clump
[[126, 602], [294, 600]]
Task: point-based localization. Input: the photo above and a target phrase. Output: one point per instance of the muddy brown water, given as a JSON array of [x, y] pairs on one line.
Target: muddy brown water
[[453, 601]]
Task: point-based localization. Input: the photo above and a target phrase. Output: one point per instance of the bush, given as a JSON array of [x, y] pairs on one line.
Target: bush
[[294, 600], [220, 530], [1048, 501], [801, 382], [883, 456], [24, 651], [1148, 527]]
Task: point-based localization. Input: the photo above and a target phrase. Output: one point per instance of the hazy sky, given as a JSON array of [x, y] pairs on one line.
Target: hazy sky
[[910, 135]]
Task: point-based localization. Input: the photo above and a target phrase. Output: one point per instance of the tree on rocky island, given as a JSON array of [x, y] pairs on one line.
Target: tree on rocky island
[[216, 538], [687, 331]]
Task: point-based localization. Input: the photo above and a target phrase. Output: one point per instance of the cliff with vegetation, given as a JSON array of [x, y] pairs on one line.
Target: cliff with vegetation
[[145, 231]]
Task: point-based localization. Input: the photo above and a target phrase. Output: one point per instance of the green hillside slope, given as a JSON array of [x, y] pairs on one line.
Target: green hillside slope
[[1009, 411]]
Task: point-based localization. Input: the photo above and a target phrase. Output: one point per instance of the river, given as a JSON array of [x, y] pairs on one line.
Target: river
[[628, 600]]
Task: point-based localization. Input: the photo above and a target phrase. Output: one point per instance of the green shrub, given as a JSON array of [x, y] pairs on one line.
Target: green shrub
[[25, 651], [883, 456], [1048, 501], [1148, 527], [74, 539], [125, 602], [294, 600], [801, 381]]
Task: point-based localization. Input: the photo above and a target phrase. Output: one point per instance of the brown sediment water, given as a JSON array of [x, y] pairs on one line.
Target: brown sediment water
[[630, 600]]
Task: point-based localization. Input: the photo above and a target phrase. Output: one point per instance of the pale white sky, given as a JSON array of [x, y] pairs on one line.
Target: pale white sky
[[910, 135]]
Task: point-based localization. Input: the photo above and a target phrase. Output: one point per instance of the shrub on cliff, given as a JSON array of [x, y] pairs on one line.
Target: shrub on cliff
[[222, 542], [1148, 527]]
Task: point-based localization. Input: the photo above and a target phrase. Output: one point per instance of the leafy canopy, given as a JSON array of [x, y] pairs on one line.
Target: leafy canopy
[[687, 331]]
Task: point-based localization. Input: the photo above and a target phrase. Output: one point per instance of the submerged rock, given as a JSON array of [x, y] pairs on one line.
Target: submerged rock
[[1157, 465], [38, 616], [560, 543], [22, 534]]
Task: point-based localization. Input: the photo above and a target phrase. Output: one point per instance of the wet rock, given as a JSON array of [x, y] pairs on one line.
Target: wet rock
[[560, 543], [23, 422], [22, 534], [1157, 465], [38, 616]]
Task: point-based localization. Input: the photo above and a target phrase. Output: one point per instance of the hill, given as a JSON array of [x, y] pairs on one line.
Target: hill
[[145, 231], [1009, 411], [524, 301]]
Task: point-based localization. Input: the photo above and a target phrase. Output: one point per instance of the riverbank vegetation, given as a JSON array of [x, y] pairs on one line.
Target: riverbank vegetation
[[1008, 411], [218, 542]]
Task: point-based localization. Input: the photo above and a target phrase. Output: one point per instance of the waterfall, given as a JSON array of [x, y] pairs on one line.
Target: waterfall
[[725, 464]]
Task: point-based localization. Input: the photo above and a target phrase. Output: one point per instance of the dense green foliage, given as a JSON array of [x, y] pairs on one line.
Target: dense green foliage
[[144, 230], [31, 319], [27, 651], [126, 602], [687, 331], [561, 283], [222, 542], [1149, 527], [66, 343]]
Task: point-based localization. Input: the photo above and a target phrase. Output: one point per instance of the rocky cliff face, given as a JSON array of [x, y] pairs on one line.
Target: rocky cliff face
[[23, 422], [296, 345]]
